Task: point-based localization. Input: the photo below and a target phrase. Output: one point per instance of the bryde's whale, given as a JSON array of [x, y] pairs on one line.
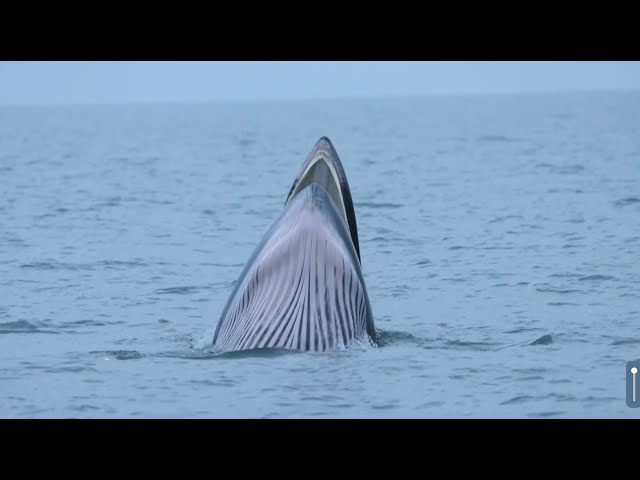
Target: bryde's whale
[[303, 288]]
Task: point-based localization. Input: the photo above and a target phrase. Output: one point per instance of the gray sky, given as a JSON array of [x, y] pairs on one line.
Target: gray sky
[[106, 82]]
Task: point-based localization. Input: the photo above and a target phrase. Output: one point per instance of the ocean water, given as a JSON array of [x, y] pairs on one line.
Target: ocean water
[[500, 241]]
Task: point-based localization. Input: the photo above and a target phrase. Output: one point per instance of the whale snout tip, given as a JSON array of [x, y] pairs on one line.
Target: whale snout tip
[[324, 143]]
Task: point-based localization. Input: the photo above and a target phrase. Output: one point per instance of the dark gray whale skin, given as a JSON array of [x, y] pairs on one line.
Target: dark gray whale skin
[[303, 287]]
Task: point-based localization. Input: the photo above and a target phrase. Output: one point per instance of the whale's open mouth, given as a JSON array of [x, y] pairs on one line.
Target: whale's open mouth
[[324, 168]]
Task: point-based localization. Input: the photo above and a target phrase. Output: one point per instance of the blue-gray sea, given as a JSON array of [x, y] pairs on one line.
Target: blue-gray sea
[[500, 242]]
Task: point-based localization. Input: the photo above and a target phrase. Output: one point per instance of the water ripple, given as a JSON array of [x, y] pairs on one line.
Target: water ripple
[[623, 202], [22, 326], [120, 354], [562, 291], [178, 290], [378, 205], [529, 398], [626, 341], [596, 277]]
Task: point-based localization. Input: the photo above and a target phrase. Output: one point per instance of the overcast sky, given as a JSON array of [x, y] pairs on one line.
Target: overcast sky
[[107, 82]]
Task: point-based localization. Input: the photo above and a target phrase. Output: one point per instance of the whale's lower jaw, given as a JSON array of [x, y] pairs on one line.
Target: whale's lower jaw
[[303, 288]]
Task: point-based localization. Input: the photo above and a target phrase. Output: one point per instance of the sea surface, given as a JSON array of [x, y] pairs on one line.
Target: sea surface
[[500, 242]]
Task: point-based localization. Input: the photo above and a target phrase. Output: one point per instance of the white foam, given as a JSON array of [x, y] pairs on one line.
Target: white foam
[[205, 340]]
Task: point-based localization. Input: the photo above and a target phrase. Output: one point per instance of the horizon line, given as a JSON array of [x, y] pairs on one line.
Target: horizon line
[[391, 96]]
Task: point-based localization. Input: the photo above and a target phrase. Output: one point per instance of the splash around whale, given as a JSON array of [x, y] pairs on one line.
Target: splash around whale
[[303, 287]]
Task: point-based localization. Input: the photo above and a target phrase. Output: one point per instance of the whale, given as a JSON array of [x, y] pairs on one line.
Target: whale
[[303, 288]]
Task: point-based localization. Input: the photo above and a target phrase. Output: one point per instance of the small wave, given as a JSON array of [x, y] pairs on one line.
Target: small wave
[[531, 371], [376, 205], [543, 340], [85, 408], [530, 378], [545, 414], [21, 326], [52, 265], [593, 399], [623, 202], [196, 354], [497, 138], [219, 382], [562, 304], [626, 341], [471, 345], [177, 290], [543, 165], [566, 275], [390, 337], [558, 290], [113, 264], [18, 325], [504, 218], [522, 330], [40, 265], [527, 398], [596, 277], [77, 369], [218, 264], [518, 399], [245, 141], [377, 240], [120, 354], [91, 323], [569, 169]]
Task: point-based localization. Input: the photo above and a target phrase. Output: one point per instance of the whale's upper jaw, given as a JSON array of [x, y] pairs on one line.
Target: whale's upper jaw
[[323, 167]]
